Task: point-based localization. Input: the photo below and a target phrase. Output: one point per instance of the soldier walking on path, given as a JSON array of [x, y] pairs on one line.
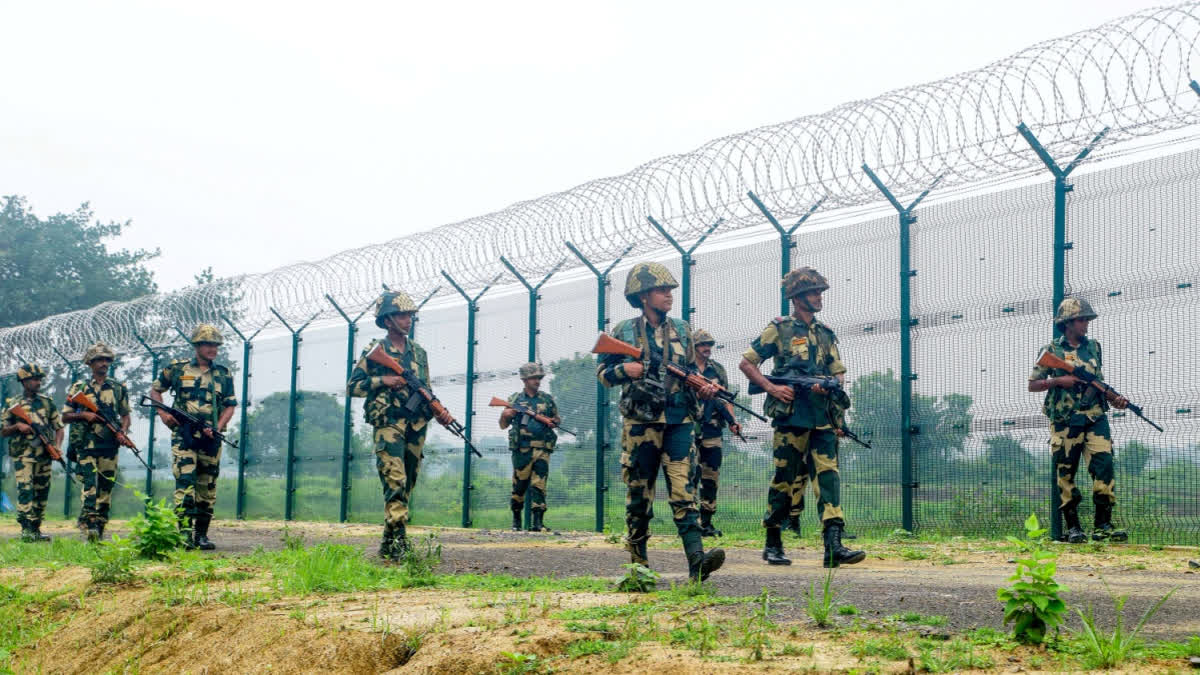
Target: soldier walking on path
[[709, 429], [1078, 422], [531, 443], [658, 413], [94, 448], [30, 459], [807, 423]]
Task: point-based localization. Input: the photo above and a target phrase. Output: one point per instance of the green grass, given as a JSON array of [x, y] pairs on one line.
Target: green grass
[[890, 647], [919, 619], [24, 619]]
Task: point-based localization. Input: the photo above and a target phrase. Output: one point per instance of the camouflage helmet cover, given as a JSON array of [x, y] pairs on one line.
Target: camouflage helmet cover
[[1074, 308], [531, 369], [207, 333], [98, 351], [393, 302], [30, 371], [803, 280], [702, 337], [647, 276]]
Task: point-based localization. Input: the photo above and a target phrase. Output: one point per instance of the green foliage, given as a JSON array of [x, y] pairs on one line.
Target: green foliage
[[21, 622], [638, 579], [919, 619], [702, 636], [1032, 604], [847, 610], [1109, 650], [952, 657], [1133, 457], [819, 606], [423, 556], [1176, 650], [890, 647], [756, 628], [155, 533], [319, 431], [114, 562], [944, 422], [516, 663]]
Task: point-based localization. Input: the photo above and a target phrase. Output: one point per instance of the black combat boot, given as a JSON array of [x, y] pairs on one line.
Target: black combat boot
[[386, 542], [201, 536], [92, 533], [36, 533], [1074, 533], [516, 526], [793, 525], [1104, 528], [100, 531], [835, 553], [539, 524], [399, 542], [706, 526], [701, 563], [773, 551]]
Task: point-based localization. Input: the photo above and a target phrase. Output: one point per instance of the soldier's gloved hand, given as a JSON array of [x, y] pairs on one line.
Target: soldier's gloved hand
[[634, 369], [444, 417], [735, 429], [72, 456]]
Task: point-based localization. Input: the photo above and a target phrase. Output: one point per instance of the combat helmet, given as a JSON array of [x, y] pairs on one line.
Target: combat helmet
[[647, 276], [98, 351], [803, 280], [702, 337], [30, 371], [1073, 308], [393, 302], [531, 369], [206, 332]]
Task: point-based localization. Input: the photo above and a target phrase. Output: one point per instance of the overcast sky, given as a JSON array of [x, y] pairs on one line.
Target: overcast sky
[[250, 135]]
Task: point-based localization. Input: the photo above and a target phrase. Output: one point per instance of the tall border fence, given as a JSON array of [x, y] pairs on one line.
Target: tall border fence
[[998, 206]]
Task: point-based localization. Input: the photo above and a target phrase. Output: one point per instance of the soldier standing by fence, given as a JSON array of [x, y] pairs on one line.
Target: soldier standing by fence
[[531, 443], [30, 458], [709, 432]]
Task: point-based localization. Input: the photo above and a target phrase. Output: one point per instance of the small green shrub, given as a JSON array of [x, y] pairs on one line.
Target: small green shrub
[[423, 556], [1032, 604], [638, 579], [114, 562], [155, 533], [819, 607]]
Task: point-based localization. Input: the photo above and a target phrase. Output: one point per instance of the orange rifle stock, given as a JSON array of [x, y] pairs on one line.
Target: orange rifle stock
[[381, 357]]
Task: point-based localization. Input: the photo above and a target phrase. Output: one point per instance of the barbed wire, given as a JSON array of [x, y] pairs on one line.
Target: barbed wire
[[1130, 75]]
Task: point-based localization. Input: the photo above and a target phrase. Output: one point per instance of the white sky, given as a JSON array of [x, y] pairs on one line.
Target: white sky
[[250, 135]]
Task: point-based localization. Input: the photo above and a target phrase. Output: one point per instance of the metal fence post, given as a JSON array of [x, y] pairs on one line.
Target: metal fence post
[[1061, 246], [472, 308], [347, 423], [602, 283], [243, 430], [72, 376], [1195, 86], [907, 376], [686, 261], [786, 244], [293, 422]]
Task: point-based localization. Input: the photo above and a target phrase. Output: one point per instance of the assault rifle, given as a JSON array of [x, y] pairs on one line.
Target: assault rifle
[[498, 402], [709, 406], [803, 383], [82, 400], [607, 344], [1049, 360], [188, 421], [420, 393], [41, 432]]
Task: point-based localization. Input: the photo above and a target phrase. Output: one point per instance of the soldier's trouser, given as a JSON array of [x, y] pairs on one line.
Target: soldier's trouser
[[645, 448], [1091, 441], [531, 466], [31, 471], [708, 468], [798, 487], [398, 459], [97, 469], [813, 452], [196, 469]]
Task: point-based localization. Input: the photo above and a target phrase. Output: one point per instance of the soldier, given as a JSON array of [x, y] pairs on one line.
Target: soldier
[[806, 425], [708, 432], [202, 388], [94, 449], [1078, 423], [531, 443], [31, 462], [658, 414], [399, 430]]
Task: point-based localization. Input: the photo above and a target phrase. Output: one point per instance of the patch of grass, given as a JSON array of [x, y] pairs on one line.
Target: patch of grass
[[958, 655], [1108, 650], [890, 647], [913, 554], [113, 563], [756, 628], [702, 636], [847, 610], [986, 636], [602, 612], [919, 619], [594, 627], [60, 552], [25, 618], [819, 607], [614, 651], [796, 650], [1176, 650]]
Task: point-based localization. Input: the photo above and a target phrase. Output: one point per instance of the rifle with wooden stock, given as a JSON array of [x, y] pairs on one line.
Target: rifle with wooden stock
[[498, 402], [1049, 360], [41, 432], [82, 400], [607, 344], [420, 392]]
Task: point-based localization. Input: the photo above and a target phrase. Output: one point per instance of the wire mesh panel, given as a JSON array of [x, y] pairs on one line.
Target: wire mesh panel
[[320, 412], [266, 440]]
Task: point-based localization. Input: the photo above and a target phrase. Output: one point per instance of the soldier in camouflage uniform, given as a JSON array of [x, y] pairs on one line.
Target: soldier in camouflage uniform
[[658, 412], [31, 462], [399, 428], [1078, 423], [202, 388], [531, 443], [94, 449], [708, 432], [807, 424]]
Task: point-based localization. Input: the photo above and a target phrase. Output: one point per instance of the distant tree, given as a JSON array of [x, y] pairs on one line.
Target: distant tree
[[319, 434], [944, 421], [1132, 458]]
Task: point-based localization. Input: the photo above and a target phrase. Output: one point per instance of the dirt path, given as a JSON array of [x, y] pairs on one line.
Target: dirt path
[[957, 580]]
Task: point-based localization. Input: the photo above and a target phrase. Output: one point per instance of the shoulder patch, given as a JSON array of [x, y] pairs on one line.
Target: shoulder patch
[[780, 320]]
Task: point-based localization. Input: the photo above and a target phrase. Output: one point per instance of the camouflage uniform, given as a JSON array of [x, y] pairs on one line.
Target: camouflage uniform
[[709, 428], [399, 432], [195, 458], [531, 443], [30, 461], [657, 426], [96, 449], [1078, 424]]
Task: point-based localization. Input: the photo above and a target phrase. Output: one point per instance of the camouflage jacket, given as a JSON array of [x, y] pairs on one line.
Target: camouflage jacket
[[385, 405], [112, 397], [815, 347], [1079, 405], [196, 391], [43, 411], [682, 405], [528, 432], [711, 422]]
